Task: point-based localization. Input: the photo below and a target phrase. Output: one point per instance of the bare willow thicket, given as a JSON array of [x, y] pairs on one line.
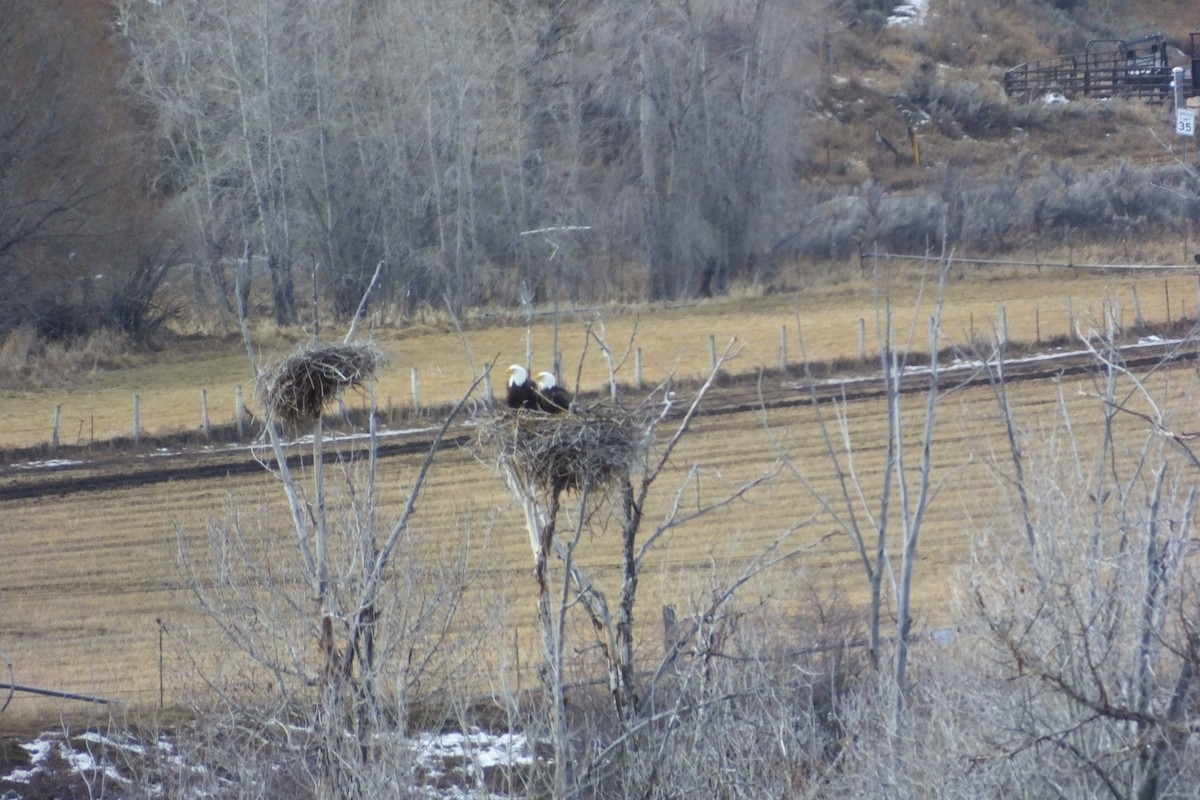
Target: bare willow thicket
[[286, 122]]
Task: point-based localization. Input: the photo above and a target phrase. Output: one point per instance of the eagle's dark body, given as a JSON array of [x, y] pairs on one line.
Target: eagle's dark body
[[551, 397]]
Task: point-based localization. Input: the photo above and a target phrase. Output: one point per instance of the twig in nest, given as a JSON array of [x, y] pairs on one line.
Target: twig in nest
[[297, 387], [557, 452]]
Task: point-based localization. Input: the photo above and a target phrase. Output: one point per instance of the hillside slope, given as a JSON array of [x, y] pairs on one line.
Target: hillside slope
[[943, 77], [796, 149]]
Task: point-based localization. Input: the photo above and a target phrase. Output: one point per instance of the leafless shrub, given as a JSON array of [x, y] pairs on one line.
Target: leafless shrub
[[136, 305], [831, 228], [752, 710], [945, 742], [908, 224], [990, 215], [1089, 597], [1128, 198], [266, 681], [998, 214], [297, 387], [31, 361]]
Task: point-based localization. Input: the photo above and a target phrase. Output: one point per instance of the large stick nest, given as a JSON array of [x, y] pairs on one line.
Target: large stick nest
[[591, 448], [296, 388]]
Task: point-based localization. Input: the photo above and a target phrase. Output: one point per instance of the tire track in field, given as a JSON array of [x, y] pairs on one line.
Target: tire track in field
[[115, 473], [743, 396]]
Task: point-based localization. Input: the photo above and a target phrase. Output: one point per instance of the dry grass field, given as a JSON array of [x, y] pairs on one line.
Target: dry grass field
[[85, 576], [98, 406]]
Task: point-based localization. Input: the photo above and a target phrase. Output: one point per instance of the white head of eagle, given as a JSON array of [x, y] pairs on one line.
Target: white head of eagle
[[551, 397], [521, 391]]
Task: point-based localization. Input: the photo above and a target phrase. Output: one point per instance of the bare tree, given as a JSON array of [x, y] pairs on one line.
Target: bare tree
[[333, 623], [286, 123], [1092, 608], [67, 175], [865, 513], [596, 452], [714, 133]]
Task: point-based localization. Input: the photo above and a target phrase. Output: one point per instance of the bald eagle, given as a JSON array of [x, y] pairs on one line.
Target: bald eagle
[[521, 391], [551, 397]]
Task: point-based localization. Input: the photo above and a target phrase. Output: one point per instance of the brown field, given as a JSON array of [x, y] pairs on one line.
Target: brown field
[[99, 406], [84, 576]]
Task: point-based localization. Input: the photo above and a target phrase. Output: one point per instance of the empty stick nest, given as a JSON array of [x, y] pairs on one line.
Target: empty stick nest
[[296, 388]]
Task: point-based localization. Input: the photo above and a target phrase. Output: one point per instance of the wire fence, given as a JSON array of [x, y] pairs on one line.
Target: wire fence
[[866, 256], [228, 419]]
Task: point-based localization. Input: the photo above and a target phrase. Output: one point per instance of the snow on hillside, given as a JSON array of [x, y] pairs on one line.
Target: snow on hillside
[[909, 13]]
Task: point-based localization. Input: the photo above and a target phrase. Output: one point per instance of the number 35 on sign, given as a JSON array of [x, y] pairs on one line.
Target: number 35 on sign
[[1185, 122]]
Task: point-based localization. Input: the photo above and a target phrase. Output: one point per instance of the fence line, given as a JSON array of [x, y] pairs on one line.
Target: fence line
[[16, 687], [1111, 323], [864, 256]]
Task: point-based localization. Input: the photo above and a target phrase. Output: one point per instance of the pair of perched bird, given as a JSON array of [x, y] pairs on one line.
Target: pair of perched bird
[[546, 395]]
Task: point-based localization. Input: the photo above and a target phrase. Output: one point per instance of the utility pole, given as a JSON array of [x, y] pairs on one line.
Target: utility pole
[[550, 234]]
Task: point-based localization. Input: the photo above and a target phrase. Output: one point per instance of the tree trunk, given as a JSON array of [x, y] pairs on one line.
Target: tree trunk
[[283, 289]]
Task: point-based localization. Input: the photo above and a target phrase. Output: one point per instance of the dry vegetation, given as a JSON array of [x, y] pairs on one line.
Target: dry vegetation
[[87, 574], [826, 312], [93, 581]]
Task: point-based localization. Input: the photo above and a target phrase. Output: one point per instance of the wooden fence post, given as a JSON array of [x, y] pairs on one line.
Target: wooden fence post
[[204, 413], [637, 369], [712, 351], [239, 411], [416, 389], [1138, 319], [862, 339], [1167, 294], [1003, 333], [783, 354], [57, 427], [1070, 318], [137, 420]]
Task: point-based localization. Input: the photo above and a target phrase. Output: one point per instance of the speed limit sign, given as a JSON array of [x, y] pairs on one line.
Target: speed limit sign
[[1185, 122]]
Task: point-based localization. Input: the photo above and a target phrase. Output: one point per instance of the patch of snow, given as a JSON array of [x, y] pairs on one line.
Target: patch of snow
[[163, 451], [455, 760], [968, 365], [51, 463], [92, 737], [484, 749], [906, 14], [1053, 99], [79, 761], [944, 636]]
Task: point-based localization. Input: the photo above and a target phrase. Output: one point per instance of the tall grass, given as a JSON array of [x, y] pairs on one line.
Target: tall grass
[[29, 361]]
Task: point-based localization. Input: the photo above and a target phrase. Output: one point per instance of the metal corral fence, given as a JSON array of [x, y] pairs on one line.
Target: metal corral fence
[[1107, 68]]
